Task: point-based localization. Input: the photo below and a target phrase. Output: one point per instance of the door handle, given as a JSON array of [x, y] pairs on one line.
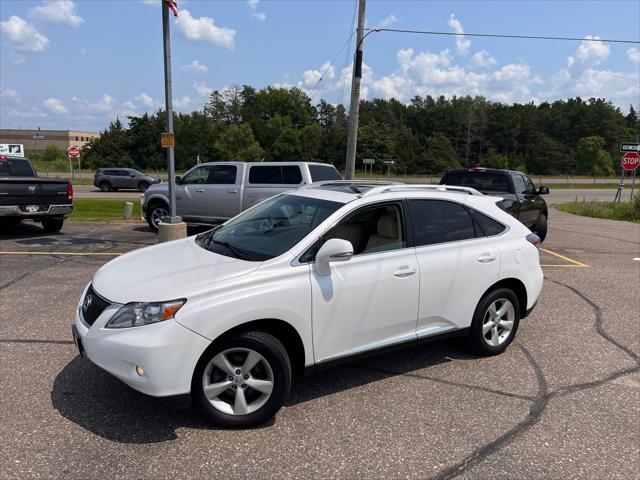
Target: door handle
[[487, 257], [200, 190], [233, 190], [404, 271]]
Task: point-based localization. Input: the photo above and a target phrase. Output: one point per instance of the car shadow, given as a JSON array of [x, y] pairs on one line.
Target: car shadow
[[101, 404], [12, 231]]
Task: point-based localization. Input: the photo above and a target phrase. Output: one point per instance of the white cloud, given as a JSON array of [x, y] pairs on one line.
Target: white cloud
[[23, 35], [203, 29], [311, 77], [202, 89], [388, 21], [462, 44], [589, 54], [9, 95], [106, 105], [634, 55], [183, 104], [483, 59], [145, 100], [55, 105], [261, 16], [57, 11], [253, 4], [195, 67]]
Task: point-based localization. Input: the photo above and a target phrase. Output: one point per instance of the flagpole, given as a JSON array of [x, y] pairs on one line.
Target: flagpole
[[166, 33]]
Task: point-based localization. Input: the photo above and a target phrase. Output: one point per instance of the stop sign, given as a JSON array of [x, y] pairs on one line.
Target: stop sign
[[630, 161], [73, 152]]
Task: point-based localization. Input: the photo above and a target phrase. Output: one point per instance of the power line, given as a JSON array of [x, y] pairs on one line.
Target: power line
[[495, 35], [331, 63], [347, 52]]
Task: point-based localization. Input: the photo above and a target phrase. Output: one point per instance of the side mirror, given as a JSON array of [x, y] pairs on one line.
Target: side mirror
[[543, 190], [333, 250], [178, 180]]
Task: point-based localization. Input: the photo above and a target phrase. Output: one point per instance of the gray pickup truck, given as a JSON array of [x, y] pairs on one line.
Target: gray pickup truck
[[212, 193], [25, 196]]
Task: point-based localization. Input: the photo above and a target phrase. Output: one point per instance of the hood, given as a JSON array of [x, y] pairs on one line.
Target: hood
[[166, 271]]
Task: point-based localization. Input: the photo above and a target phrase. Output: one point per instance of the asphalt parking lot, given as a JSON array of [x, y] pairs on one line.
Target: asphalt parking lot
[[562, 402]]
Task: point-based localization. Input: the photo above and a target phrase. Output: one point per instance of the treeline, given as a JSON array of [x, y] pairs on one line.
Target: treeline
[[427, 135]]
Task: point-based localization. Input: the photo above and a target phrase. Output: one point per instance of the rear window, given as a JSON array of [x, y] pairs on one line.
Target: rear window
[[440, 221], [275, 174], [482, 181], [321, 173], [488, 226], [15, 168]]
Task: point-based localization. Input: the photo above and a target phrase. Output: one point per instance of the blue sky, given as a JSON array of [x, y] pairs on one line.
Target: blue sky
[[79, 64]]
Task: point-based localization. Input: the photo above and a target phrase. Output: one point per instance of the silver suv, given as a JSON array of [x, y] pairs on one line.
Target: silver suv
[[212, 193], [107, 179]]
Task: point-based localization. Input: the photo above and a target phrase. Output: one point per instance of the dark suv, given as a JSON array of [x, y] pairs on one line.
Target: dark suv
[[520, 197], [107, 179]]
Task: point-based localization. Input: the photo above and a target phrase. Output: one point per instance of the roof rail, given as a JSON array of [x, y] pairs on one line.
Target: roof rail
[[355, 183], [418, 187]]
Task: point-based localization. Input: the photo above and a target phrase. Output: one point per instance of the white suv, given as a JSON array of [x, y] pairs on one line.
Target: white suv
[[229, 317]]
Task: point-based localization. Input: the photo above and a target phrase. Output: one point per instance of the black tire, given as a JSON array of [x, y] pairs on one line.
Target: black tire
[[105, 186], [52, 225], [143, 186], [272, 350], [477, 339], [541, 227], [155, 212]]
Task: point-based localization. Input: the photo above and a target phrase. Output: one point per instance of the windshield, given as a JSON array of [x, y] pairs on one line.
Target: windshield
[[481, 181], [269, 229]]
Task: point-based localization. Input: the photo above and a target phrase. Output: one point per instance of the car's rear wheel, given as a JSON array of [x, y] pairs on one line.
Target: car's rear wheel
[[52, 225], [155, 213], [541, 227], [143, 186], [495, 322], [105, 186], [242, 380]]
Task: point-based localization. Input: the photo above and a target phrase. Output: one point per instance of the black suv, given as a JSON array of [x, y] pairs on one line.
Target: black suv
[[520, 197]]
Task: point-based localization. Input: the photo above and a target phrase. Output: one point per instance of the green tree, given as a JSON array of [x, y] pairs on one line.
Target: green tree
[[440, 155], [53, 153], [238, 145], [591, 158]]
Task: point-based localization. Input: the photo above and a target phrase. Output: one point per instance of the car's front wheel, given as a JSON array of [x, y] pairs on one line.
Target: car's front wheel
[[155, 213], [242, 380], [495, 322]]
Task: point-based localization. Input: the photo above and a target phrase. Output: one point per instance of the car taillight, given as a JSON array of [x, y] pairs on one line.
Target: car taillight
[[69, 191], [535, 239]]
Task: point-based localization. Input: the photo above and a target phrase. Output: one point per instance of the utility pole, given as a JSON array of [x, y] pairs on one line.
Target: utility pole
[[354, 109], [166, 35]]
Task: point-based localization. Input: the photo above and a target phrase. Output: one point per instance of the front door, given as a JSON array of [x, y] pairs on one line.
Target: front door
[[222, 192], [371, 300], [190, 194]]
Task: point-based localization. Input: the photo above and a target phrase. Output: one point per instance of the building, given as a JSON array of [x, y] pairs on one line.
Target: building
[[38, 140]]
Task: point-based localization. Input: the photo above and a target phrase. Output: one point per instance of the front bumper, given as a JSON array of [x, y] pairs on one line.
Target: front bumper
[[52, 210], [167, 351]]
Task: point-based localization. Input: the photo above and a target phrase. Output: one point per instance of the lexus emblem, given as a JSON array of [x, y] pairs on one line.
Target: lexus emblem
[[87, 302], [32, 188]]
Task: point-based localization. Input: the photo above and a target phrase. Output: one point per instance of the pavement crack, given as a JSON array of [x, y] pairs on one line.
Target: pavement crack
[[35, 340], [15, 280]]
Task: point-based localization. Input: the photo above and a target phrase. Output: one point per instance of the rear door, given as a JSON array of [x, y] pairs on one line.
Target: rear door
[[222, 192], [457, 265]]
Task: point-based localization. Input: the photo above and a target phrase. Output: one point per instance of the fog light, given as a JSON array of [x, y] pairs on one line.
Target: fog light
[[140, 370]]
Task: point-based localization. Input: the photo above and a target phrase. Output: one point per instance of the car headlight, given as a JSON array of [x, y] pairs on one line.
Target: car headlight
[[137, 314]]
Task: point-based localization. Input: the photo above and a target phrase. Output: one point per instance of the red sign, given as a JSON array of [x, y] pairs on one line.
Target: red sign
[[73, 152], [630, 161]]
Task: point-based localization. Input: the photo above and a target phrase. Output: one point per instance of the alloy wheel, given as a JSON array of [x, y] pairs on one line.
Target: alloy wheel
[[497, 323], [157, 214], [238, 381]]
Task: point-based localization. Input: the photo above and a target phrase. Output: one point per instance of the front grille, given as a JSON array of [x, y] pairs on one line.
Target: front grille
[[92, 306]]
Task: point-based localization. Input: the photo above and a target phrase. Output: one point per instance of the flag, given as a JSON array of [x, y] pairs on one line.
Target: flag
[[173, 6]]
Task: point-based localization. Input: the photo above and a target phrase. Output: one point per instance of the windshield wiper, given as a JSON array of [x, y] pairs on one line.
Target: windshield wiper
[[235, 250]]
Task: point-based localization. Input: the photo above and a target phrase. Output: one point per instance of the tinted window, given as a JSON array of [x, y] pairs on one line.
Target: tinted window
[[16, 168], [269, 229], [488, 226], [291, 175], [529, 184], [222, 175], [320, 173], [275, 174], [197, 175], [518, 184], [482, 181], [439, 221], [109, 172]]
